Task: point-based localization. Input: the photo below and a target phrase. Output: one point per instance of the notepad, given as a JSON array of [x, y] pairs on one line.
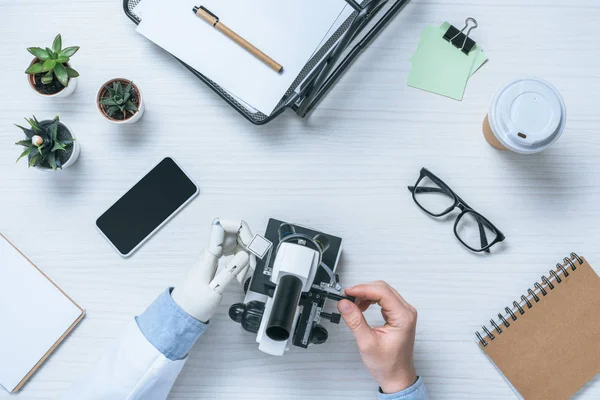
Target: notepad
[[289, 35], [35, 316], [441, 68], [547, 343]]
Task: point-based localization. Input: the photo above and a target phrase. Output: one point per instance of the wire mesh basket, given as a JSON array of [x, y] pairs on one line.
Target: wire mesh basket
[[324, 68]]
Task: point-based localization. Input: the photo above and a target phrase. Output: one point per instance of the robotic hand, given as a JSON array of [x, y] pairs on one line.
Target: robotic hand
[[201, 291]]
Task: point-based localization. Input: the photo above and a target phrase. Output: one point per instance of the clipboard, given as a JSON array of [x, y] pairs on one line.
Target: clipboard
[[10, 251], [325, 67]]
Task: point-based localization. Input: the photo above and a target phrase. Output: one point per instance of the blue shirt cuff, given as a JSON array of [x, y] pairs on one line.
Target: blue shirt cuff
[[168, 328], [416, 392]]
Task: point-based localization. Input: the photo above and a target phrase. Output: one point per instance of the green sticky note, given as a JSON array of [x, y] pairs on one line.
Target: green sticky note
[[441, 68]]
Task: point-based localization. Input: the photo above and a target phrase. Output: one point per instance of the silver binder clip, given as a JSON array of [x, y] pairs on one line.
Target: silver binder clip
[[459, 38]]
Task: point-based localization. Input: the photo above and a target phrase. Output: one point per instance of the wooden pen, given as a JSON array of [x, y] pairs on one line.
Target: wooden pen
[[212, 19]]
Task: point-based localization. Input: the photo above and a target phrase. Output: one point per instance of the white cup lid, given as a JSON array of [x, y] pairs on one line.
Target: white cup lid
[[527, 115]]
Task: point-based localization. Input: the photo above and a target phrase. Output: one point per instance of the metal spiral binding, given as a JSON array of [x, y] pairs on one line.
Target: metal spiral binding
[[542, 288]]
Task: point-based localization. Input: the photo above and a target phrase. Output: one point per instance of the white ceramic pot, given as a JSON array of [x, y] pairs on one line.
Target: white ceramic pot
[[74, 155], [67, 91], [135, 117]]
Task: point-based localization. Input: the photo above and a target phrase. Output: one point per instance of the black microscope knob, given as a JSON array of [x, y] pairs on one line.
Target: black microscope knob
[[236, 312], [253, 316], [249, 315], [319, 335]]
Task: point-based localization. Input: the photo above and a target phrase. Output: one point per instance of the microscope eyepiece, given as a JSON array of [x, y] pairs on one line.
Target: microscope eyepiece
[[322, 241], [285, 230]]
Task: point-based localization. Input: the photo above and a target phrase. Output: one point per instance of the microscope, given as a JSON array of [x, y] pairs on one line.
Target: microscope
[[286, 296]]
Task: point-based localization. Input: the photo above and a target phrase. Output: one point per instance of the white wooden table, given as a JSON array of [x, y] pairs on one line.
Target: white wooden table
[[343, 170]]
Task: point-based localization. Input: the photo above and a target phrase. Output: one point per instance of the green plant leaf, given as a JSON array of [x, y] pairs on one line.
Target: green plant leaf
[[53, 128], [48, 78], [34, 160], [24, 142], [62, 60], [112, 110], [35, 68], [48, 65], [35, 125], [28, 132], [71, 72], [61, 74], [108, 101], [52, 54], [52, 161], [57, 146], [57, 44], [69, 51], [130, 107], [26, 152], [39, 53]]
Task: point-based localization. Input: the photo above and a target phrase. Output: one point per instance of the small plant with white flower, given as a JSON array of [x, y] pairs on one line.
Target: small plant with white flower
[[49, 144]]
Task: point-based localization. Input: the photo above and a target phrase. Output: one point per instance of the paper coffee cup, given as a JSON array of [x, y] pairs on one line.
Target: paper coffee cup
[[526, 116]]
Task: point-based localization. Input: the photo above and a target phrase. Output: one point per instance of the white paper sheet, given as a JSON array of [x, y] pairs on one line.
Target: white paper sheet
[[287, 32], [34, 314]]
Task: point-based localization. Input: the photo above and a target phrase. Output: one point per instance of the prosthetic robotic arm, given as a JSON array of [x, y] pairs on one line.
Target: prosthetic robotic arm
[[201, 291]]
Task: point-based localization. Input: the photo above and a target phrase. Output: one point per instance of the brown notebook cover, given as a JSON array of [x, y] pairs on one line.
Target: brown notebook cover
[[547, 344]]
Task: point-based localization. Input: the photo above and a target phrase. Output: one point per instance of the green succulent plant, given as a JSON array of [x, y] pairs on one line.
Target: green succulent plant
[[53, 62], [117, 99], [45, 145]]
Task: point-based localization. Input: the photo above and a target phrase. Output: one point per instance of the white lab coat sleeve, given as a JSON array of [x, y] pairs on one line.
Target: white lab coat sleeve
[[132, 369]]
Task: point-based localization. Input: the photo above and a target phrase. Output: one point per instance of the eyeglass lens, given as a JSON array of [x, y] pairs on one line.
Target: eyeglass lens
[[474, 231], [432, 197]]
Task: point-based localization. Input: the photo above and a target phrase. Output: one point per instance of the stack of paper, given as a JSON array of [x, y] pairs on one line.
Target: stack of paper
[[289, 35], [439, 67]]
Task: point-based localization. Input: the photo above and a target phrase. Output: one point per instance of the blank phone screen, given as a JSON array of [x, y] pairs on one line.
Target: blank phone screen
[[146, 206]]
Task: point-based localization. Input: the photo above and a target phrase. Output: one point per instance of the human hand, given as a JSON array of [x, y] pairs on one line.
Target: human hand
[[386, 351]]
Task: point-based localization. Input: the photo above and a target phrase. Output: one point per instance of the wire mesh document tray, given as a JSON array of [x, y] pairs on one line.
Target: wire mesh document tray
[[325, 67]]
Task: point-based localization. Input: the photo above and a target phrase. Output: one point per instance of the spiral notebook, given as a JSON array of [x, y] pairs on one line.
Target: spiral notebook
[[547, 343]]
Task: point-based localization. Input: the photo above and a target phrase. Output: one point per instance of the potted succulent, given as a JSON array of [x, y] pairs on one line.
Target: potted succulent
[[120, 101], [49, 145], [50, 74]]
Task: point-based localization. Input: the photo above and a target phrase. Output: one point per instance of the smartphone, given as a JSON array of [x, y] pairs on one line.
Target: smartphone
[[146, 207]]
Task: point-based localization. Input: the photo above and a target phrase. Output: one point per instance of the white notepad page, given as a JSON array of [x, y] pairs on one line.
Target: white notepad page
[[287, 32], [34, 315]]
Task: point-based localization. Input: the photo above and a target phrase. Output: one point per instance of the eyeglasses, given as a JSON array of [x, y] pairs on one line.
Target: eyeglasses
[[436, 198]]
